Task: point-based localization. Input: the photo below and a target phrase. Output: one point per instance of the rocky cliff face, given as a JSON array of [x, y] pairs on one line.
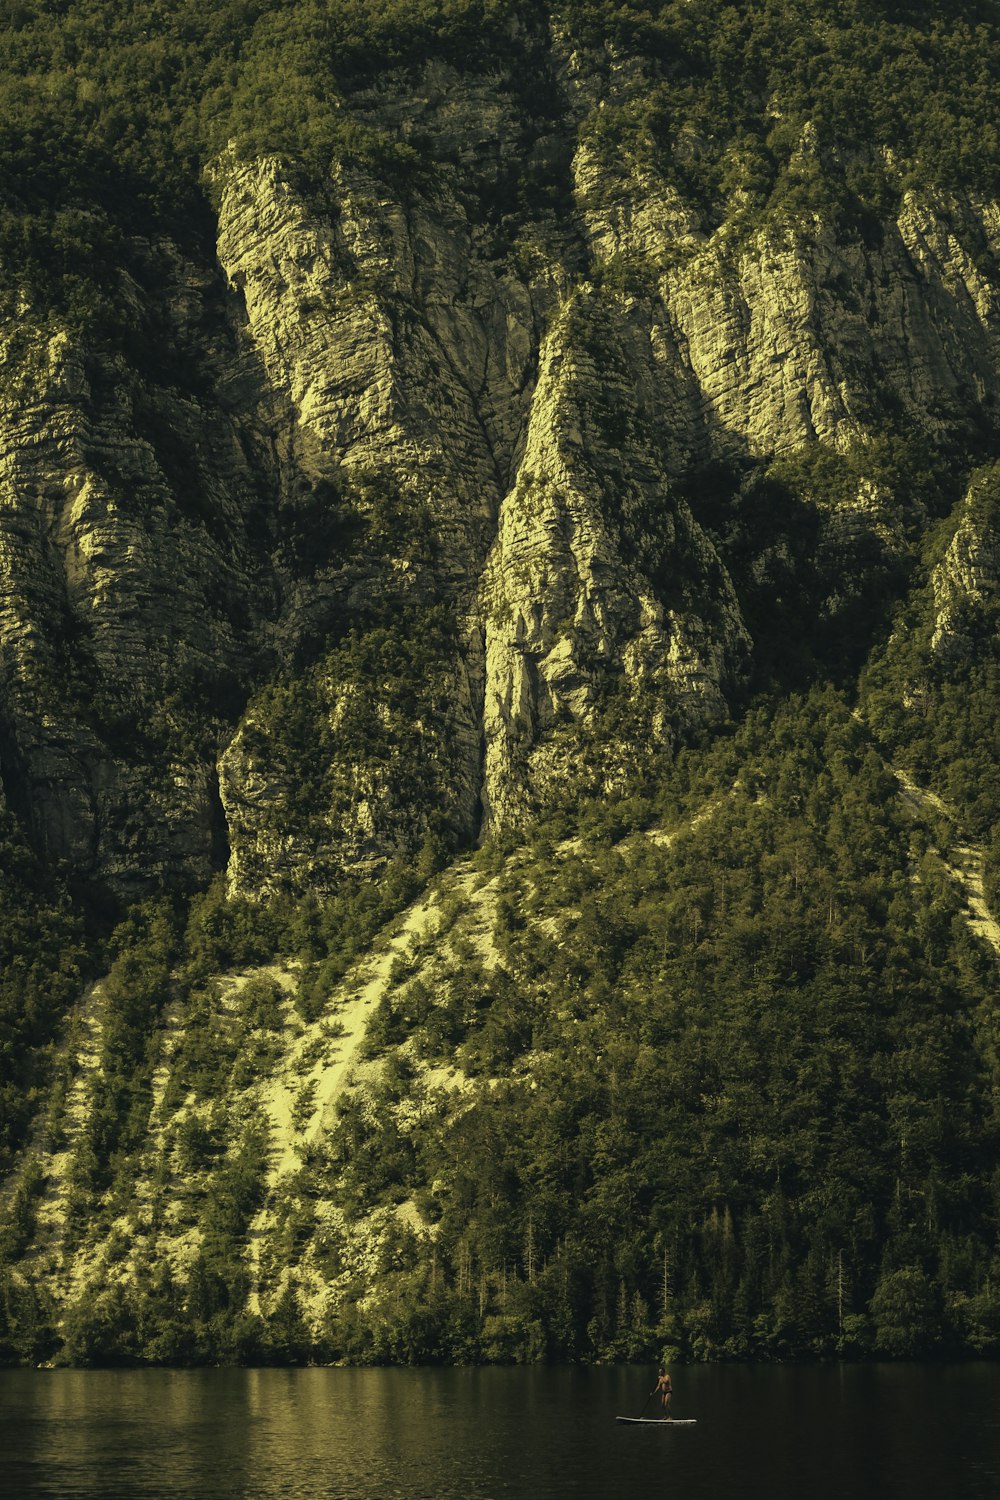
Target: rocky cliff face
[[599, 577], [397, 396], [402, 358], [967, 580], [132, 603]]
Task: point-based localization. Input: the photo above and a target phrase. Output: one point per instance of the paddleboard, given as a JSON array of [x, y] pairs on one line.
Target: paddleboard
[[658, 1421]]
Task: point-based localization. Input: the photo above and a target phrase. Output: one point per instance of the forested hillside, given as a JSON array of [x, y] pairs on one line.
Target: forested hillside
[[499, 680]]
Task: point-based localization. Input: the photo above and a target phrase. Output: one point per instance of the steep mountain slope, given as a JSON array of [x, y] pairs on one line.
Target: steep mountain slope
[[723, 1083], [533, 430], [392, 405]]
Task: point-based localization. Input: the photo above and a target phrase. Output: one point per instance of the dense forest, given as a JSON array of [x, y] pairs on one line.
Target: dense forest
[[111, 116], [737, 1106], [721, 1081]]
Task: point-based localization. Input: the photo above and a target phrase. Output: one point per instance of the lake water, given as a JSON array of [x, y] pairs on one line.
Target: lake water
[[785, 1433]]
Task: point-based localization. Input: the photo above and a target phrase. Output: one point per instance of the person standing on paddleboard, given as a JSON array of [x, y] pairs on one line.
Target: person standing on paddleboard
[[665, 1391]]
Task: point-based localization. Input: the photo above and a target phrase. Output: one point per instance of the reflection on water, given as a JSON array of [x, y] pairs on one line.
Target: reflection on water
[[850, 1432]]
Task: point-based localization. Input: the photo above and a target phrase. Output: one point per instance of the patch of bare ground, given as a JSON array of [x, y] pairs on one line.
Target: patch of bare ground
[[963, 860], [302, 1095]]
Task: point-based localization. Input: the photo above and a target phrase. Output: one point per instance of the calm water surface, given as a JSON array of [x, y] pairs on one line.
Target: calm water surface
[[850, 1432]]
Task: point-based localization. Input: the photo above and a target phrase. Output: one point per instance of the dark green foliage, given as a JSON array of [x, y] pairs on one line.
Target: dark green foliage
[[16, 1233], [200, 1319], [331, 935], [231, 1037], [26, 1335], [224, 933], [814, 606], [373, 722], [42, 959], [110, 114], [736, 1103], [741, 1105], [936, 705], [740, 84], [906, 1310], [136, 990]]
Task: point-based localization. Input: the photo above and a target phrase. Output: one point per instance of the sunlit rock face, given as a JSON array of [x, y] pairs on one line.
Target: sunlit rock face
[[403, 359], [966, 582], [488, 390], [599, 575]]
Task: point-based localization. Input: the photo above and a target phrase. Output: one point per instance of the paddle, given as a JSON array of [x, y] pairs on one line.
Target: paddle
[[647, 1401]]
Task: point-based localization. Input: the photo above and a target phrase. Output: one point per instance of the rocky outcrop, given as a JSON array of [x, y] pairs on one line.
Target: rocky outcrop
[[599, 579], [356, 771], [403, 361], [966, 582], [798, 336]]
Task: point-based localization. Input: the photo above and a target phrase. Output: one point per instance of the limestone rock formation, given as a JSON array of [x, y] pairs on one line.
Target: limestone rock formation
[[966, 582], [493, 390], [598, 572]]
